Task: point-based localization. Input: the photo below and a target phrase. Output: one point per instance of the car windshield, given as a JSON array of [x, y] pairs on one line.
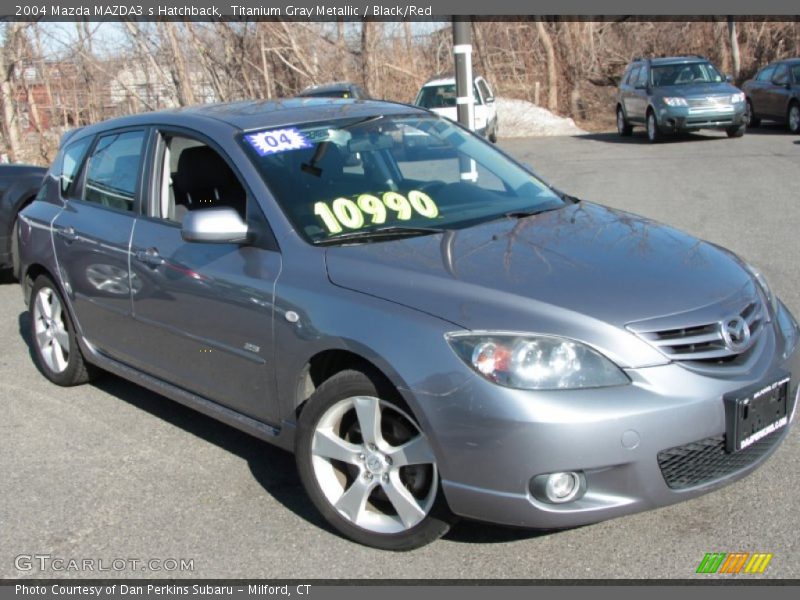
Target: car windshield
[[437, 96], [417, 173], [685, 74]]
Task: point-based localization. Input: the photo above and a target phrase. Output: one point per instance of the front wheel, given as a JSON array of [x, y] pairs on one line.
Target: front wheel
[[794, 118], [653, 132], [367, 465], [735, 132]]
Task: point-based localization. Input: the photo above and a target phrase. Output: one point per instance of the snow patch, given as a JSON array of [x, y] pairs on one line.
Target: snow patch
[[519, 118]]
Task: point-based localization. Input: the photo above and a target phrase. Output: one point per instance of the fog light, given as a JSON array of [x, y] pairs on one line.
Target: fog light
[[558, 488]]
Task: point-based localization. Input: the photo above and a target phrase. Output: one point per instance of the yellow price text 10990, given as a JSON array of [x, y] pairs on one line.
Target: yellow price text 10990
[[353, 214]]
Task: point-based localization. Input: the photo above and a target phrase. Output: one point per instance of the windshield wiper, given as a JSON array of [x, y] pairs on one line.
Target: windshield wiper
[[388, 231], [521, 214]]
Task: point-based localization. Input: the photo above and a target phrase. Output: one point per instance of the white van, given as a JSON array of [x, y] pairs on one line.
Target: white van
[[439, 95]]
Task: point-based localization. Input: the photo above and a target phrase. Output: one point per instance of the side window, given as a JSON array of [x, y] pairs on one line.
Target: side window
[[766, 73], [484, 89], [644, 73], [781, 75], [796, 73], [477, 94], [71, 164], [633, 76], [113, 170], [193, 177]]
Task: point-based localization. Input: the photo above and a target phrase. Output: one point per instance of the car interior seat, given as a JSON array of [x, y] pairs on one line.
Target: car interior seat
[[204, 180]]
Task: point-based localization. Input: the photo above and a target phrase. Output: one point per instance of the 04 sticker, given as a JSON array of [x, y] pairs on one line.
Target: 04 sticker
[[277, 140], [368, 209]]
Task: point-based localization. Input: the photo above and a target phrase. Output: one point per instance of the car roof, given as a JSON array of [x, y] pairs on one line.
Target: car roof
[[260, 114], [334, 86], [671, 60], [447, 79]]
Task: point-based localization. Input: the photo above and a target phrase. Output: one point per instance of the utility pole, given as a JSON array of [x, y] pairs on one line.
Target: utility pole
[[465, 102]]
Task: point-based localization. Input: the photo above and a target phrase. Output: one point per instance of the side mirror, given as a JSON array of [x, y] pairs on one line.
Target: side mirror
[[214, 225], [489, 99], [729, 78], [640, 86]]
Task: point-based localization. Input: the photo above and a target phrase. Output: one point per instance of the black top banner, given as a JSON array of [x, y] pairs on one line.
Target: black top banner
[[400, 10]]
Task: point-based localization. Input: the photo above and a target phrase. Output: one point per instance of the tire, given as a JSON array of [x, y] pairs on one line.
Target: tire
[[793, 117], [751, 120], [736, 132], [358, 475], [493, 134], [654, 134], [55, 347], [624, 128]]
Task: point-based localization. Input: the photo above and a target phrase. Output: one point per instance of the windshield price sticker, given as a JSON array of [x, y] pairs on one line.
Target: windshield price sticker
[[368, 209], [277, 140]]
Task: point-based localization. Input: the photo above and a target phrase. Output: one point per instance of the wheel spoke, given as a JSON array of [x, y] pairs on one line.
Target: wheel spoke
[[62, 338], [48, 353], [368, 411], [43, 305], [354, 500], [329, 445], [59, 357], [414, 452], [407, 507], [42, 339]]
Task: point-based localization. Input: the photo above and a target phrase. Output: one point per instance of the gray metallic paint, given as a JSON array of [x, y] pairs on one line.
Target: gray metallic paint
[[584, 272]]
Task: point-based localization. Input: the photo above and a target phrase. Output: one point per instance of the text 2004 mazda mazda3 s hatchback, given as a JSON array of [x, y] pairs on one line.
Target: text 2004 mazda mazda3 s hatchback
[[430, 328]]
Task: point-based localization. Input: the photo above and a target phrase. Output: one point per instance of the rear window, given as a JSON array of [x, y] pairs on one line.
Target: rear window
[[442, 96]]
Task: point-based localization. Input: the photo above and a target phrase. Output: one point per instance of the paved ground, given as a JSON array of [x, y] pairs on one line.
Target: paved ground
[[113, 471]]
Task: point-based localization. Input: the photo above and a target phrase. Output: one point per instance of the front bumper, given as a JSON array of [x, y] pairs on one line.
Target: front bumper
[[672, 119], [491, 441]]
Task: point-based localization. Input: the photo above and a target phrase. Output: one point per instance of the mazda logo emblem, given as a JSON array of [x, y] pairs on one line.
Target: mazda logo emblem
[[735, 333]]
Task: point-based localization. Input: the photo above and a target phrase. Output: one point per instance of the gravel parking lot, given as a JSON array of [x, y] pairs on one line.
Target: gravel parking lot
[[112, 471]]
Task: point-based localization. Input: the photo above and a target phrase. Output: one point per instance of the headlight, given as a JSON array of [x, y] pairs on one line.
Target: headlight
[[737, 98], [762, 282], [535, 362], [675, 101]]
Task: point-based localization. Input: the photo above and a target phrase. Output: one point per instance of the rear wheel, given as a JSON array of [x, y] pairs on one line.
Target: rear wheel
[[794, 117], [750, 116], [623, 127], [367, 465], [735, 132], [54, 343], [653, 132]]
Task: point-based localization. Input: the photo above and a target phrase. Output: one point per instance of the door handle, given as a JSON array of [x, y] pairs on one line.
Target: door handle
[[67, 233], [150, 257]]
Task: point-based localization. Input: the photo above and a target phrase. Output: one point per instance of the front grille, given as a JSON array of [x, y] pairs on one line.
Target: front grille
[[709, 101], [704, 342], [706, 460]]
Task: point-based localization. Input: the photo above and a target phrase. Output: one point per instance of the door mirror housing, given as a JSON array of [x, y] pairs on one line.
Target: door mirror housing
[[215, 225], [729, 78]]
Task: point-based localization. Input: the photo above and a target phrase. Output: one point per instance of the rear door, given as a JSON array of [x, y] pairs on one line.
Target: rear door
[[204, 310], [638, 99], [626, 89], [92, 234], [758, 90]]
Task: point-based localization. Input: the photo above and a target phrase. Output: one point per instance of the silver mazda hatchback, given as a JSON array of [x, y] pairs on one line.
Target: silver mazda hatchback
[[431, 329]]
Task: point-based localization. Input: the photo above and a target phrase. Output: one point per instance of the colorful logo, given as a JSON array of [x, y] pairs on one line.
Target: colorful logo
[[734, 563]]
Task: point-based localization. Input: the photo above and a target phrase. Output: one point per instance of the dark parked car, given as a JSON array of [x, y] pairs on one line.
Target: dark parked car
[[18, 186], [774, 94], [431, 337], [341, 89], [680, 93]]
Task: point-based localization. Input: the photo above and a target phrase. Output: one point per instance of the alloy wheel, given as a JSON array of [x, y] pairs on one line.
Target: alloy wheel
[[794, 118], [374, 465], [50, 329]]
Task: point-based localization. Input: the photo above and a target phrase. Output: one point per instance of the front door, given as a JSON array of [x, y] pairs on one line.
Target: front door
[[204, 309]]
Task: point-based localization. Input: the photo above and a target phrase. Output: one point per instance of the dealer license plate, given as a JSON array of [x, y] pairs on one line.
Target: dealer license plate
[[754, 413]]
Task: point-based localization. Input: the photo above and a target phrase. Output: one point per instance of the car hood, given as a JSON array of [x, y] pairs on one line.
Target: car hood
[[698, 89], [582, 271]]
